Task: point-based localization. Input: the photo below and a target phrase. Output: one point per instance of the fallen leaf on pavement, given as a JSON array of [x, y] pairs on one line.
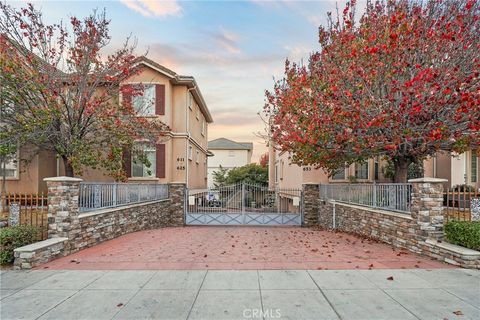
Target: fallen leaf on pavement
[[390, 278]]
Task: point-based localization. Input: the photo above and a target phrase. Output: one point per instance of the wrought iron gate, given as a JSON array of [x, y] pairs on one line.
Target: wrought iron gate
[[244, 204]]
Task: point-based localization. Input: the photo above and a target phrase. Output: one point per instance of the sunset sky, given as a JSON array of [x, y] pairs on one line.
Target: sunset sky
[[233, 48]]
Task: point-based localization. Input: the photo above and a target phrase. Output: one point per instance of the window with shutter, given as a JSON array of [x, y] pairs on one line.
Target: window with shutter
[[144, 105], [140, 169]]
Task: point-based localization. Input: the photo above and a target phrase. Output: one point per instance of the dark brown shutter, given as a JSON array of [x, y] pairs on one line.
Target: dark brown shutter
[[127, 97], [127, 163], [160, 161], [160, 99]]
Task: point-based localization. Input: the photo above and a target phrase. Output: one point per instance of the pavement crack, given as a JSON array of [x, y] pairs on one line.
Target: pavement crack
[[69, 297], [325, 296], [133, 296], [261, 298], [196, 296], [411, 312]]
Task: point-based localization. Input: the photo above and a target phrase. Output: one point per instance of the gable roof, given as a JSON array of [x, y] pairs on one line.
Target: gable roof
[[226, 144], [177, 79]]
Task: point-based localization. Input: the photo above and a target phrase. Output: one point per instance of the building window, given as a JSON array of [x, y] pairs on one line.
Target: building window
[[281, 169], [376, 169], [197, 114], [139, 168], [231, 153], [198, 157], [190, 101], [190, 152], [144, 105], [474, 164], [276, 173], [361, 170], [11, 166], [339, 175], [203, 127]]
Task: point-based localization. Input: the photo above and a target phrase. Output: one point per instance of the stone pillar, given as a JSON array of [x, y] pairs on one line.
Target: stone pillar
[[311, 204], [427, 206], [63, 210], [177, 207]]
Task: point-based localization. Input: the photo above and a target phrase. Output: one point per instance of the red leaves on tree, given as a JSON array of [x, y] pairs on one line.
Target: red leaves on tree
[[402, 82], [66, 94]]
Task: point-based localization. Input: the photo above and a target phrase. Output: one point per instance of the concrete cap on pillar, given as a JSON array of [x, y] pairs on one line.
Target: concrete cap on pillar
[[427, 180], [62, 179]]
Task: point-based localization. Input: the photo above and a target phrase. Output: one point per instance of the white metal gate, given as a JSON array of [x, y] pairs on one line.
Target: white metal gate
[[244, 204]]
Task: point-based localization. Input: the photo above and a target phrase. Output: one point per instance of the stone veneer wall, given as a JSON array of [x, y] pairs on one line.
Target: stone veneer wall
[[70, 231], [102, 225], [390, 227], [419, 232]]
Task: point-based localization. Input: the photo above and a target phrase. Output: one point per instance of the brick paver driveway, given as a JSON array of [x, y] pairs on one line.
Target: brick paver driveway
[[241, 248]]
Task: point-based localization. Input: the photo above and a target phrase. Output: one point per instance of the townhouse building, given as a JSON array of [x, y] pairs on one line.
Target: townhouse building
[[180, 155], [462, 169], [227, 154]]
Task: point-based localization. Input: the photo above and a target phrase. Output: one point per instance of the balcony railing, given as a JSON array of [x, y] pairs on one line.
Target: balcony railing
[[94, 196]]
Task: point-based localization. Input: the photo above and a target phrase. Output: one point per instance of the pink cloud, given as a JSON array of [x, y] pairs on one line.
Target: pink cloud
[[151, 8]]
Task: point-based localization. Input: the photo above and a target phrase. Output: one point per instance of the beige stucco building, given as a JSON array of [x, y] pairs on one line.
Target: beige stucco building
[[457, 169], [228, 154], [181, 156], [284, 174]]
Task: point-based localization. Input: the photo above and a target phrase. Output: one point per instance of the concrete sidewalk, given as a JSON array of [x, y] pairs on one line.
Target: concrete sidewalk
[[247, 294]]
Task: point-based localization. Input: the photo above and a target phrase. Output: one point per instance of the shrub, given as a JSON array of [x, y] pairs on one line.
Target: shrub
[[15, 237], [464, 233]]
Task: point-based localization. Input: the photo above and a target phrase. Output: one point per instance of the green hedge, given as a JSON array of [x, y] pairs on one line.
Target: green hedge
[[15, 237], [464, 233]]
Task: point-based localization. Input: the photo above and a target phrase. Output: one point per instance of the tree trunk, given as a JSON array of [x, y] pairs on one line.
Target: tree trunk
[[68, 167], [401, 169], [3, 193]]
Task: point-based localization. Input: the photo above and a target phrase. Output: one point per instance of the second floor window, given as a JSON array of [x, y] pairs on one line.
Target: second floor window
[[144, 105], [361, 171], [139, 168], [190, 153], [190, 101]]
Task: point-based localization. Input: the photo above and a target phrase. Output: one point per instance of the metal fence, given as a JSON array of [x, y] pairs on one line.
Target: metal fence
[[94, 196], [459, 203], [388, 196], [33, 211]]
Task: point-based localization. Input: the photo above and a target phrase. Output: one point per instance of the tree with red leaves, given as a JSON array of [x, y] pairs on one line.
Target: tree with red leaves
[[61, 93], [401, 82], [263, 160]]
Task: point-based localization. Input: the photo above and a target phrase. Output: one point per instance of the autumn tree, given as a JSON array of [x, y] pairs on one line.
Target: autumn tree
[[61, 91], [263, 160], [401, 82]]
